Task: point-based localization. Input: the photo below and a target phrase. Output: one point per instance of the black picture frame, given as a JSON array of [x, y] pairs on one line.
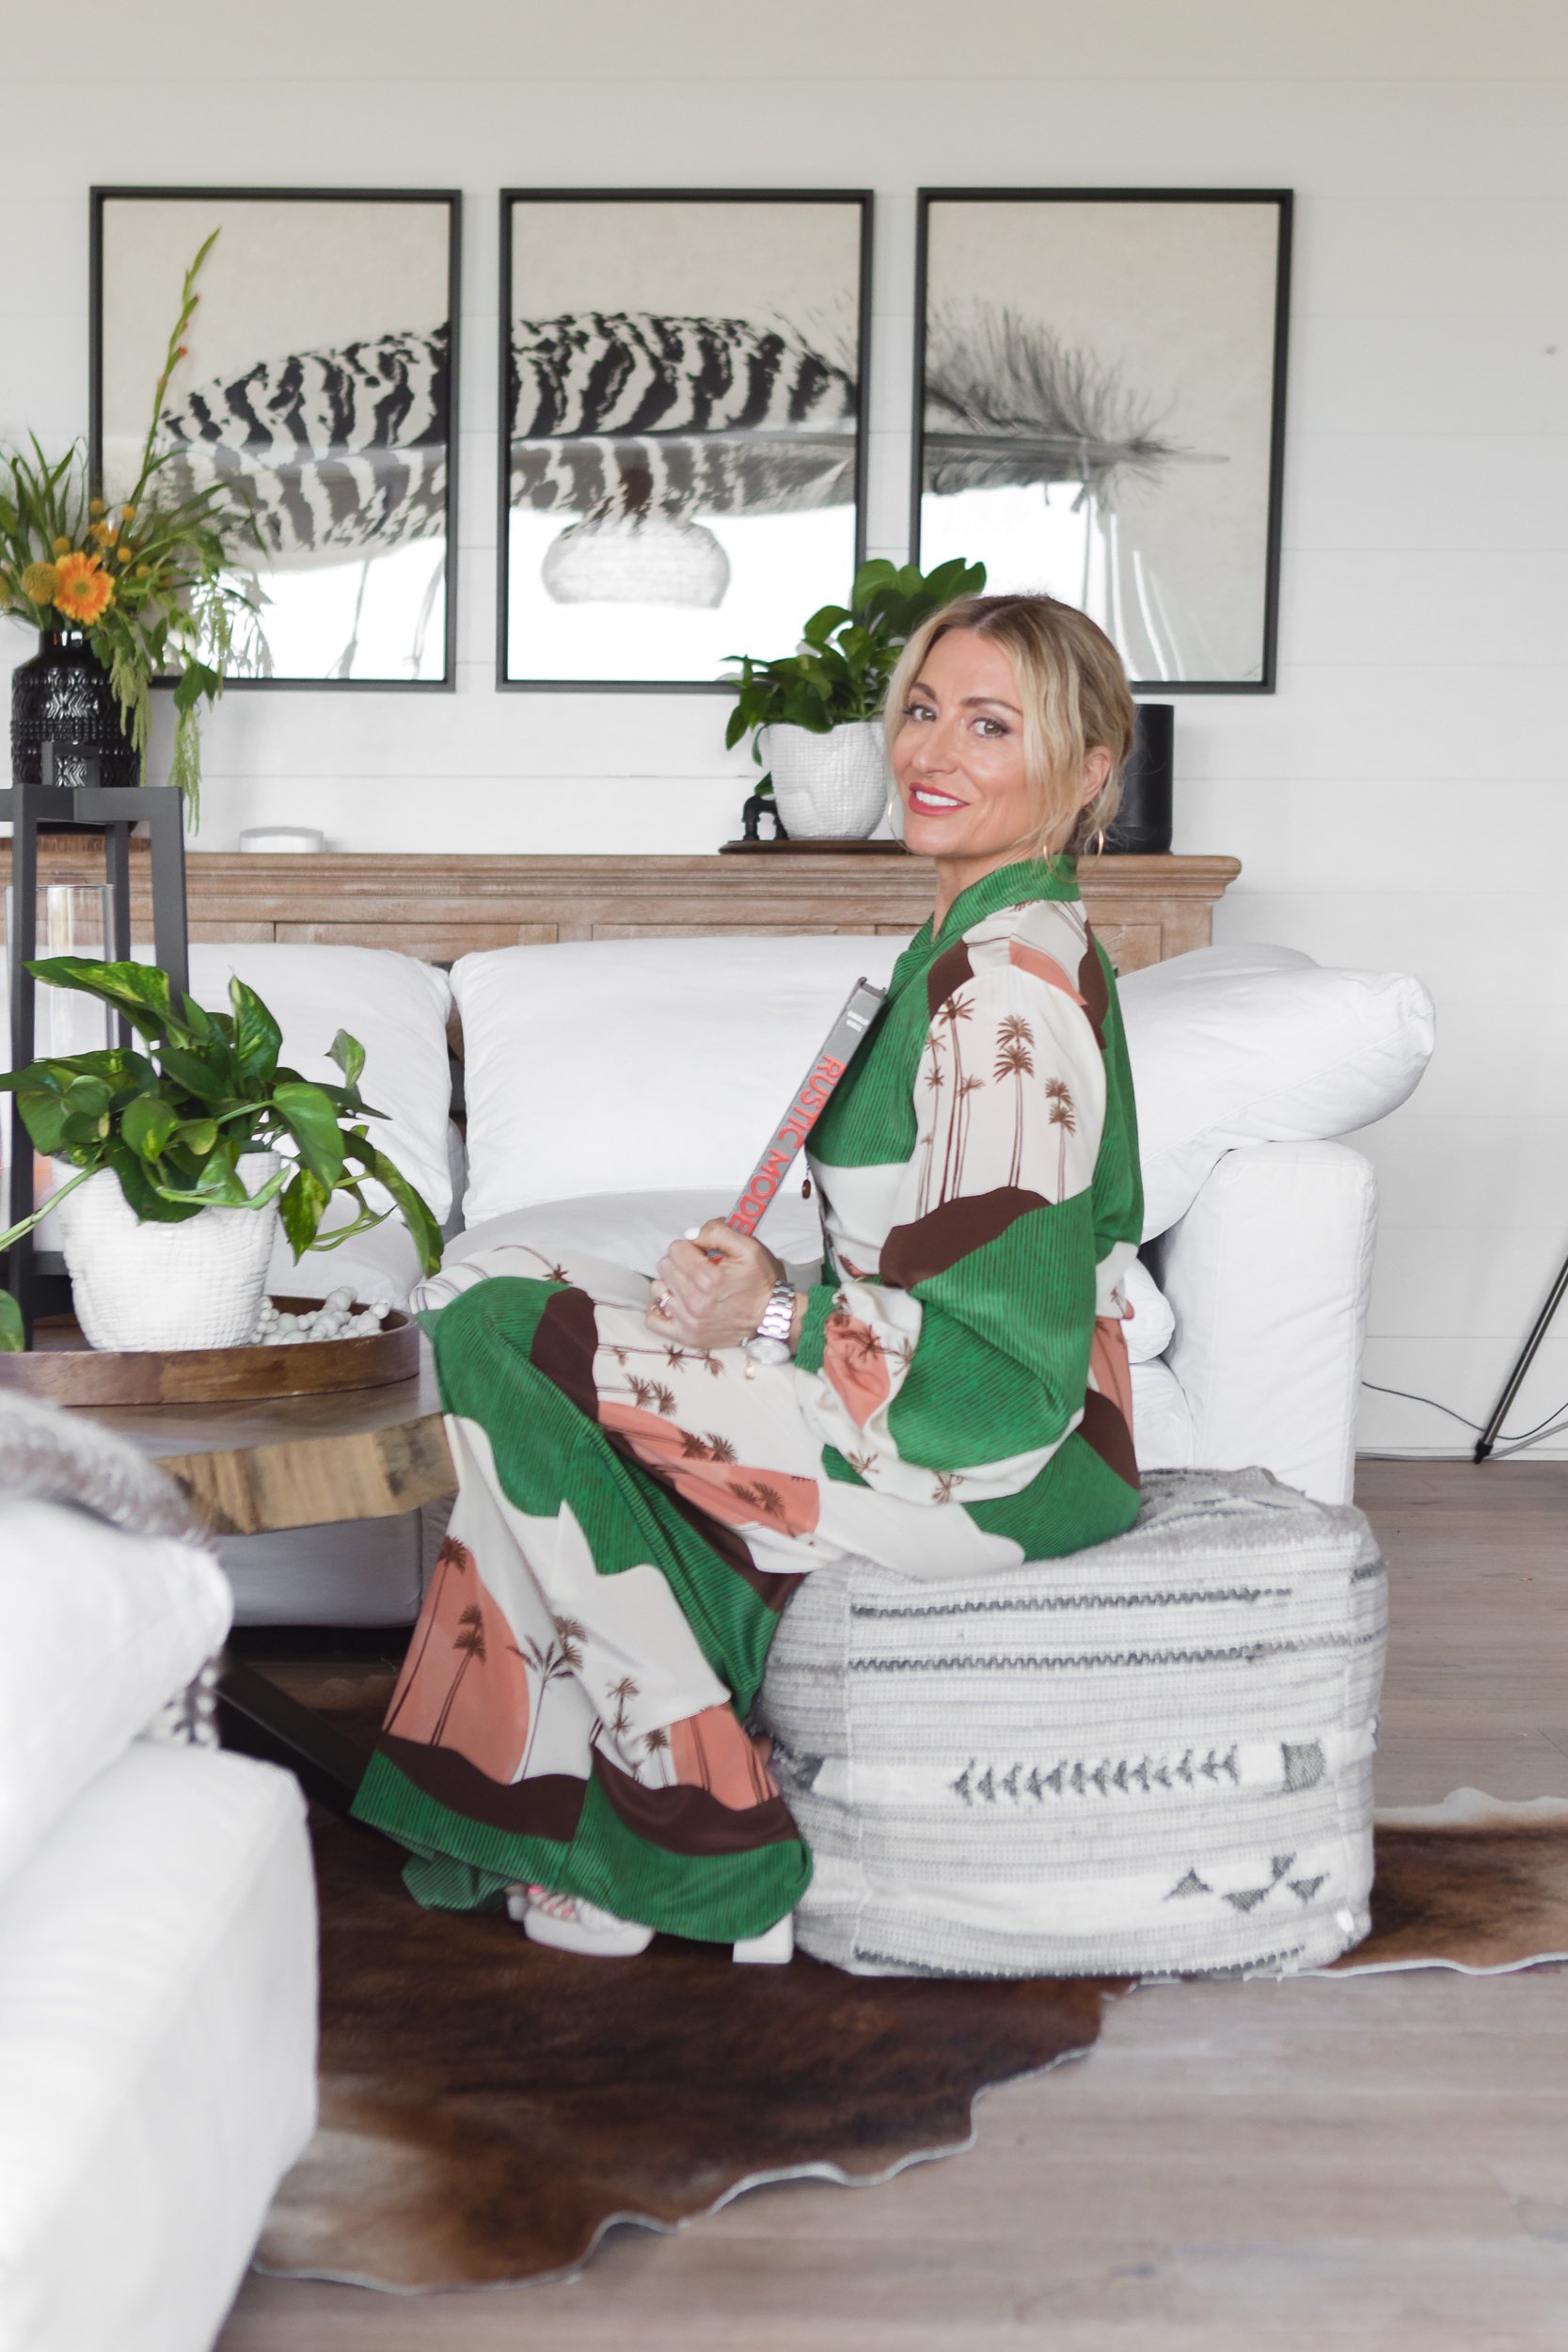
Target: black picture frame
[[1277, 332], [513, 197], [448, 199]]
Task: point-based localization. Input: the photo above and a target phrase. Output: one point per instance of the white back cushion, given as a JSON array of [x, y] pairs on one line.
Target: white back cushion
[[619, 1066], [397, 1008], [102, 1629], [635, 1065], [1236, 1045]]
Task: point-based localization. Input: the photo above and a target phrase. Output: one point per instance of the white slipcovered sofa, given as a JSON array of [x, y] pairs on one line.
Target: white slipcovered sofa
[[618, 1090], [157, 1918]]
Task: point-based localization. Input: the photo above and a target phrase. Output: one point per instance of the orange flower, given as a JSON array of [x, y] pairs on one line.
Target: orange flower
[[81, 588]]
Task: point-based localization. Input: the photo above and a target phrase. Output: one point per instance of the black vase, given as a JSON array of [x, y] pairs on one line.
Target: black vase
[[64, 692], [1143, 822]]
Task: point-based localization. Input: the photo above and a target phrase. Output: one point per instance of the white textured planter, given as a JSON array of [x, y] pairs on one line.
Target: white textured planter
[[829, 787], [197, 1284]]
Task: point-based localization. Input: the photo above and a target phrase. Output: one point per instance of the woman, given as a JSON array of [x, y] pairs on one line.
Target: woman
[[639, 1494]]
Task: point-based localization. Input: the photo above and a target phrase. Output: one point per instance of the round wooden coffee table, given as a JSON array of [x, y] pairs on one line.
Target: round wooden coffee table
[[271, 1463]]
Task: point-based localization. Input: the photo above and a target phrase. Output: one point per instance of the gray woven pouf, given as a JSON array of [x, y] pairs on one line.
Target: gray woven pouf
[[1152, 1757]]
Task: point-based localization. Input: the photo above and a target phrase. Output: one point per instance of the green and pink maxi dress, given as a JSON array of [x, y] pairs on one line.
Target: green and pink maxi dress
[[633, 1515]]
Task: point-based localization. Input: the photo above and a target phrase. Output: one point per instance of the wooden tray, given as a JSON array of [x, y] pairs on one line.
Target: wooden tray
[[61, 1366]]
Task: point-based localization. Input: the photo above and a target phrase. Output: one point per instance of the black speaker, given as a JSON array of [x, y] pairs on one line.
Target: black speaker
[[1143, 824]]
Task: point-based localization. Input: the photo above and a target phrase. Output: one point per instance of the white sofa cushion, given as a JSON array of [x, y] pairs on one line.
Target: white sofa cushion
[[1162, 1418], [396, 1006], [1269, 1274], [609, 1066], [103, 1627], [620, 1065], [1236, 1045], [157, 2047]]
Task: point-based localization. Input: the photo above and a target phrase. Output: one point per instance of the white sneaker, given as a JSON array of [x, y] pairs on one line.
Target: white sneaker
[[569, 1924], [772, 1948]]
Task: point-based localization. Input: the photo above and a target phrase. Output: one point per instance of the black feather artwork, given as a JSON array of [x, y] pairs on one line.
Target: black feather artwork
[[1009, 405]]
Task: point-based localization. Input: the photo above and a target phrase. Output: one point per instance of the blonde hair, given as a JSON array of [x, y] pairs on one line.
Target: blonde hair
[[1074, 697]]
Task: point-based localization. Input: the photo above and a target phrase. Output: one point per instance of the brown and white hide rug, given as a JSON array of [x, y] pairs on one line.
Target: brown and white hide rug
[[489, 2108]]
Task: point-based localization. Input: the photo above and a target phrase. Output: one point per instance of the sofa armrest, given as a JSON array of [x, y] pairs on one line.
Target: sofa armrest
[[1268, 1275]]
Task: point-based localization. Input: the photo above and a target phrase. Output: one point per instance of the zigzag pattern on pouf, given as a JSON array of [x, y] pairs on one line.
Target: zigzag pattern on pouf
[[1150, 1757]]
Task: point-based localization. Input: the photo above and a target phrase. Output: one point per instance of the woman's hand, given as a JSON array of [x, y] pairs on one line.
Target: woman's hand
[[713, 1301]]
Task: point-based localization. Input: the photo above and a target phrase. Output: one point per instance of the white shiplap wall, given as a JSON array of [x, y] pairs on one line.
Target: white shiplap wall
[[1399, 801]]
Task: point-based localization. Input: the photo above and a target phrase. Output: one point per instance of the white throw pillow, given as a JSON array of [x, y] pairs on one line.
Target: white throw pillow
[[630, 1064], [396, 1006], [1235, 1045], [103, 1627]]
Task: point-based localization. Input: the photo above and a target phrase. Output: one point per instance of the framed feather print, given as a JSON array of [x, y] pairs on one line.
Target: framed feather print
[[681, 460], [320, 381], [1100, 412]]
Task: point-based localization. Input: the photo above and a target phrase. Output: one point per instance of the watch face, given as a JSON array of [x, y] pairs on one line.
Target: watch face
[[768, 1351]]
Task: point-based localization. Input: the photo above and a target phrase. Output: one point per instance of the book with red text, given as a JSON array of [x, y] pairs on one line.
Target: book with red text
[[807, 1104]]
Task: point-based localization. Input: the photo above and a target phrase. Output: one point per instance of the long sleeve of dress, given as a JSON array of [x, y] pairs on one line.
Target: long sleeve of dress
[[962, 1346]]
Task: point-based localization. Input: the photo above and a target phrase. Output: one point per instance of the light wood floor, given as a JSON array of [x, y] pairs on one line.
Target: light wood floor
[[1250, 2168]]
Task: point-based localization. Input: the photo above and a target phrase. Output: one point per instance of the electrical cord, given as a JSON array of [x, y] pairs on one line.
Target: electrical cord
[[1549, 1427]]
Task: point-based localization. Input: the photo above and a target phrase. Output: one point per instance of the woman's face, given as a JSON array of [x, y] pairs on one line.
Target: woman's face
[[957, 755]]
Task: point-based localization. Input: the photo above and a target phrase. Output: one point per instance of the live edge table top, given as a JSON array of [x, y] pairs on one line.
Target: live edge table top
[[299, 1461]]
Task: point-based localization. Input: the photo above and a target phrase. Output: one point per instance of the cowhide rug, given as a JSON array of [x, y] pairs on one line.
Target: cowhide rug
[[489, 2108]]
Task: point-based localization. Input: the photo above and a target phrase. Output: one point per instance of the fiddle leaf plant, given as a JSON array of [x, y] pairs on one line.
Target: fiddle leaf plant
[[839, 672], [173, 1122]]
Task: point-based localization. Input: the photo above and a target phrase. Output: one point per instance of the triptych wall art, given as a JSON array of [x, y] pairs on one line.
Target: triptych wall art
[[321, 380], [683, 442]]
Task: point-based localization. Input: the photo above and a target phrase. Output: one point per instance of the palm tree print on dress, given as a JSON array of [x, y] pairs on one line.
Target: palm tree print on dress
[[767, 1503], [1059, 1095], [1015, 1059], [452, 1557], [563, 1657], [621, 1691], [950, 1014], [934, 1084], [469, 1641], [966, 1088], [709, 1449]]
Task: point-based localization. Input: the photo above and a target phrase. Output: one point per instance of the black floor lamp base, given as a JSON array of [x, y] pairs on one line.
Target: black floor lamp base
[[1488, 1437]]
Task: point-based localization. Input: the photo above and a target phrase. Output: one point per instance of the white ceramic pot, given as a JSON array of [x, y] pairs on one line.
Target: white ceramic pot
[[197, 1284], [829, 787]]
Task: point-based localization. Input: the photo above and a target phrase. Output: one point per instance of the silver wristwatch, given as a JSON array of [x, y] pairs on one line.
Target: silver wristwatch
[[769, 1343]]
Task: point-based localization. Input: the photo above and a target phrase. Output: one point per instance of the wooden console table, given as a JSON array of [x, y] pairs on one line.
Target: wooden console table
[[441, 906]]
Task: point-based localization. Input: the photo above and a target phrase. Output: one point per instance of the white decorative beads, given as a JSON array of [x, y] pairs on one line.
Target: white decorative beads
[[334, 1319]]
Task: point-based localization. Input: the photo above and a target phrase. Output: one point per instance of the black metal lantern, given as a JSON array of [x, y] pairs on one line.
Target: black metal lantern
[[37, 1278]]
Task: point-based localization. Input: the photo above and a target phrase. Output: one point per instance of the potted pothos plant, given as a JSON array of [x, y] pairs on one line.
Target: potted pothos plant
[[187, 1156], [821, 706]]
